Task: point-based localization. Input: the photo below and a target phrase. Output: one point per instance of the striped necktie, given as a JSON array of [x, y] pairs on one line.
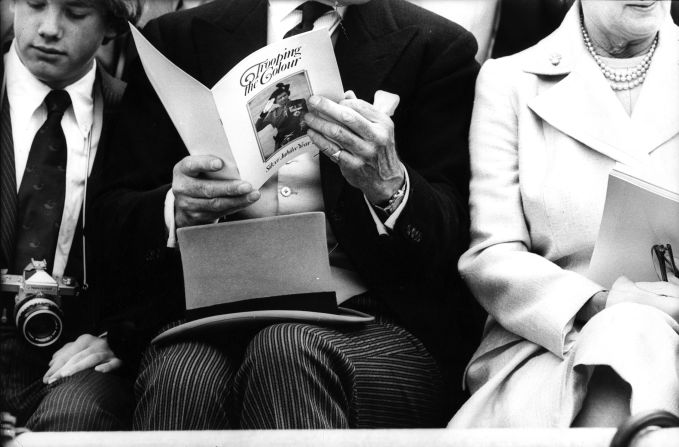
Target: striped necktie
[[311, 11], [40, 201]]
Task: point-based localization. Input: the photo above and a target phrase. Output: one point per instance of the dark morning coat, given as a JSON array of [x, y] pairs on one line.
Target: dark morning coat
[[389, 45]]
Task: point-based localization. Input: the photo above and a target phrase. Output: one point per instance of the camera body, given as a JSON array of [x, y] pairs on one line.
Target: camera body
[[37, 304]]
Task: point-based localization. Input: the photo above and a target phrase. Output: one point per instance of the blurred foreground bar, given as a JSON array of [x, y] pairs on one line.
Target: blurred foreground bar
[[599, 437]]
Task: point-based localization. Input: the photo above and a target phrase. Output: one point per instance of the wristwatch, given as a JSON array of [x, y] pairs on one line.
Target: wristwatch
[[387, 208]]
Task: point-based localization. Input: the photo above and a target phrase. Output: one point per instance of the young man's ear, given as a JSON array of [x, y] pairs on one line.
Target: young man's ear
[[110, 33]]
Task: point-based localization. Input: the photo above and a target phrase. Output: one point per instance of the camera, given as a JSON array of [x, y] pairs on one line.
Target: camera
[[37, 305]]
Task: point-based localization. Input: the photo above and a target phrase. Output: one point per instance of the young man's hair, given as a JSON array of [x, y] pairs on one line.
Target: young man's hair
[[119, 12]]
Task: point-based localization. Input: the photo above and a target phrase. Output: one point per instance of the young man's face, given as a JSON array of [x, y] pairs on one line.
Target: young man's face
[[57, 39]]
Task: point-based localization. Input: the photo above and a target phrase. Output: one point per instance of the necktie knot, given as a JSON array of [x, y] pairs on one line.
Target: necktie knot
[[57, 101], [311, 11]]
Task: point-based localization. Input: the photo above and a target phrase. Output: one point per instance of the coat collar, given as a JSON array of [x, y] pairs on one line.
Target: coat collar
[[112, 89], [575, 97]]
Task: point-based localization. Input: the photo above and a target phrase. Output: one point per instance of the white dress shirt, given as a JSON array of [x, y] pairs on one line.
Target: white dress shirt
[[26, 95]]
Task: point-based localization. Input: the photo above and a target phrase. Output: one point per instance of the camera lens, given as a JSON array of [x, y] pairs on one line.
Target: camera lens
[[40, 320]]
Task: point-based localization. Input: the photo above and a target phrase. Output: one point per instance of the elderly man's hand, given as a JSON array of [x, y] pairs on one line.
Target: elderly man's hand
[[201, 200], [87, 351], [360, 139]]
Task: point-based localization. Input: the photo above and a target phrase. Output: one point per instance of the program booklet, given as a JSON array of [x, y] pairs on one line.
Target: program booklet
[[252, 117], [640, 212]]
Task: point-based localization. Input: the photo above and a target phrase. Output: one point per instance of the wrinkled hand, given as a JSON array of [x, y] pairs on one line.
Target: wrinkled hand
[[661, 295], [365, 136], [87, 351], [200, 200]]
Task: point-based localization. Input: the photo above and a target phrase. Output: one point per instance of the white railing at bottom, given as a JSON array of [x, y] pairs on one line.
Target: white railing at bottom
[[599, 437]]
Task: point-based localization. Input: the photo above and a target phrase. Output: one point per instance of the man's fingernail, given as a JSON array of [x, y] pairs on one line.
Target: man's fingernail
[[254, 196], [314, 100], [216, 164], [51, 380], [244, 188]]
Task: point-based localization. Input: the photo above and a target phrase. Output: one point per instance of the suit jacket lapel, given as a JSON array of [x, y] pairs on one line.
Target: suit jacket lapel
[[368, 46], [223, 42], [112, 90], [369, 43], [108, 92], [655, 118], [8, 188], [582, 104]]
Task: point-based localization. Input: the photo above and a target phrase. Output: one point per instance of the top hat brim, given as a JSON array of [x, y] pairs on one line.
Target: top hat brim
[[214, 325]]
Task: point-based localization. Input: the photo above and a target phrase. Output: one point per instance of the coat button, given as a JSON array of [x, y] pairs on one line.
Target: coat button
[[286, 191]]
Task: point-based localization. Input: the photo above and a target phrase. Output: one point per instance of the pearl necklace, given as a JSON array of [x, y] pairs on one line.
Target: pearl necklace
[[625, 79]]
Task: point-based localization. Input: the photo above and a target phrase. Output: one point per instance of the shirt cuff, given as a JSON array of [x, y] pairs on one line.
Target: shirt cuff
[[389, 224], [169, 220]]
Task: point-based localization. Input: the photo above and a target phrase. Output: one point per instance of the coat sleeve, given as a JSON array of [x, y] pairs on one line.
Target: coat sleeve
[[431, 126], [143, 287], [433, 144], [526, 293]]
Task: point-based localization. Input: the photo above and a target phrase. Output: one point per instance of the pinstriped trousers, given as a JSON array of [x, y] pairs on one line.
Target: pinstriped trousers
[[86, 401], [292, 375]]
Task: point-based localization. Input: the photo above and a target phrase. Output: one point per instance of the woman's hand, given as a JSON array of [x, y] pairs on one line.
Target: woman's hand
[[661, 295], [87, 351]]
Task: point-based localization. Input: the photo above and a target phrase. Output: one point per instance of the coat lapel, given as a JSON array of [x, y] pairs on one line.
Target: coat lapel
[[368, 46], [232, 35], [581, 104], [655, 118], [8, 188], [369, 43], [112, 89], [108, 92]]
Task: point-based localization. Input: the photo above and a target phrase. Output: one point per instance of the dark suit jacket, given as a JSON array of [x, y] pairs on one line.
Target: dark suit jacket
[[80, 314], [86, 308], [389, 45]]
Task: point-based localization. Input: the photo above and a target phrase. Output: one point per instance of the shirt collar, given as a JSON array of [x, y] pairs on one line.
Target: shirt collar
[[24, 91], [81, 92], [27, 93], [281, 9]]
